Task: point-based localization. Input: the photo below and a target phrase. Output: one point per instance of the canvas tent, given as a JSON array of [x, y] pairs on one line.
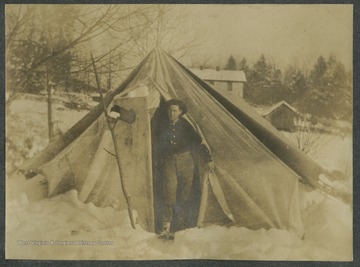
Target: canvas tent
[[255, 182]]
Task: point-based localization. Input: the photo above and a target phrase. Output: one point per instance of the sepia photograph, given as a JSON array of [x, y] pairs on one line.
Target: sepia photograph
[[179, 132]]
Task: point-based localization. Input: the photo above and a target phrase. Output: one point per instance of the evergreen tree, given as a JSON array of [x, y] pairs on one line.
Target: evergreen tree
[[340, 91], [244, 66], [231, 64], [261, 71], [295, 84], [329, 92], [258, 82]]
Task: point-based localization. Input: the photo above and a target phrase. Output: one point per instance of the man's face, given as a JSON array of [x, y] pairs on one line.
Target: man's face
[[173, 112]]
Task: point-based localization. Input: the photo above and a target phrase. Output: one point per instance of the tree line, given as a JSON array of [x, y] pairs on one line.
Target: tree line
[[324, 91]]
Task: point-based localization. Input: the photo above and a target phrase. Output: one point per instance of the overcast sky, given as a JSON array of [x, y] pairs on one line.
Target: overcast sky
[[283, 33]]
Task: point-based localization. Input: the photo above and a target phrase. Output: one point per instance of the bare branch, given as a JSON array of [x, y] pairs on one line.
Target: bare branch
[[112, 154]]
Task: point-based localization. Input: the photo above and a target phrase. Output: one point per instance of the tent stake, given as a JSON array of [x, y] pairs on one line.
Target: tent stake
[[127, 197]]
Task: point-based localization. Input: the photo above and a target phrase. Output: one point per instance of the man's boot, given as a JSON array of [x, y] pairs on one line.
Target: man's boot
[[165, 232], [171, 236]]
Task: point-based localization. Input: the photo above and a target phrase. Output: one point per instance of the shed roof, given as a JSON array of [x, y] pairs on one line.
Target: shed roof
[[277, 105], [220, 75]]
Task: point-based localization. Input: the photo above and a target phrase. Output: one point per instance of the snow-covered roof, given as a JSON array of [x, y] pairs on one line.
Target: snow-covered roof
[[277, 105], [260, 109], [220, 75]]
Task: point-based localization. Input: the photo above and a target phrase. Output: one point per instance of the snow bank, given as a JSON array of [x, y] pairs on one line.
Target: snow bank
[[329, 229], [63, 227]]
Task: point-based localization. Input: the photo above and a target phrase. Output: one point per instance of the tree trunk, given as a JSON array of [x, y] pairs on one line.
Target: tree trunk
[[109, 77], [49, 108]]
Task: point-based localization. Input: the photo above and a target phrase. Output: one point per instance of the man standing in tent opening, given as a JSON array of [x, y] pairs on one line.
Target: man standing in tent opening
[[178, 143]]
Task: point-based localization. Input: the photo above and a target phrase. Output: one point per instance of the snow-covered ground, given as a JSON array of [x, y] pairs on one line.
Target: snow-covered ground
[[83, 231], [62, 227], [26, 127], [333, 153]]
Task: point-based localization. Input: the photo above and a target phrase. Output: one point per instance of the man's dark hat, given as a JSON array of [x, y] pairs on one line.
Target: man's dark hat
[[178, 103]]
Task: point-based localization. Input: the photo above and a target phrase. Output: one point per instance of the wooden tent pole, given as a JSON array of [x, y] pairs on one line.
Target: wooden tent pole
[[117, 155]]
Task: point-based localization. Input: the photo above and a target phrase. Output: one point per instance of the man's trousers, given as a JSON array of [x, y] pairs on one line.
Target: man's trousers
[[178, 172]]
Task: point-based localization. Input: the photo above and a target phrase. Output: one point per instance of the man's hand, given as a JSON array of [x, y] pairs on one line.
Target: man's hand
[[210, 166]]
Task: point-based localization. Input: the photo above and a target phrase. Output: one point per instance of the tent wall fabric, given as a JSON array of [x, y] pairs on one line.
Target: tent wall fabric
[[250, 186], [268, 135]]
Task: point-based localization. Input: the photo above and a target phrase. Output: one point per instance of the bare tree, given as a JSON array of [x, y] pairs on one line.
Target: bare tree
[[153, 25], [39, 37], [89, 26], [168, 28], [307, 137], [16, 18]]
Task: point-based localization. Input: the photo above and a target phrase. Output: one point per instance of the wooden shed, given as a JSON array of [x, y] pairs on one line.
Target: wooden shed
[[282, 116]]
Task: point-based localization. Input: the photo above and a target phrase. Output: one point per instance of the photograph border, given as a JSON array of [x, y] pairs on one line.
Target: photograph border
[[191, 262]]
